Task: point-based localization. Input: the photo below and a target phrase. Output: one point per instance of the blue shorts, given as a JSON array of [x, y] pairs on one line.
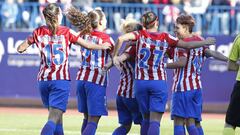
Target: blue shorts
[[128, 111], [91, 98], [55, 93], [151, 95], [187, 104]]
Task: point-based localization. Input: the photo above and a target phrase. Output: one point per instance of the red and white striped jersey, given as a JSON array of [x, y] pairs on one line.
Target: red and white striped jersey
[[93, 61], [54, 51], [150, 50], [126, 85], [188, 77]]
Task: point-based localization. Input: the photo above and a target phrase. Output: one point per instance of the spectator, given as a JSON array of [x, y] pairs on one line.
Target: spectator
[[157, 1], [9, 12], [235, 13], [86, 5], [197, 8], [171, 13], [223, 15], [23, 16]]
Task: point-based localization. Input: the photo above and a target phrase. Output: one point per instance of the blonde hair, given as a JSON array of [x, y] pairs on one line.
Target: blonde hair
[[130, 25]]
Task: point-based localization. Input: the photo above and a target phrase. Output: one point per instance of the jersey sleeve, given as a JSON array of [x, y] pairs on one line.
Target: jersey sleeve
[[171, 40], [199, 38], [32, 38], [111, 42], [234, 53], [73, 36]]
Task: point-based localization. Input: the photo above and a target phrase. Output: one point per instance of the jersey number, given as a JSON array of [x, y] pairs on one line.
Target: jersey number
[[146, 55], [86, 59], [54, 54]]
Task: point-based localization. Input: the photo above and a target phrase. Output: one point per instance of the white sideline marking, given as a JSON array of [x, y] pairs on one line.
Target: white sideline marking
[[37, 131]]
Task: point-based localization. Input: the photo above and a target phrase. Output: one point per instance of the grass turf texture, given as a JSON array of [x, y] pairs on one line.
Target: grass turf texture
[[25, 121]]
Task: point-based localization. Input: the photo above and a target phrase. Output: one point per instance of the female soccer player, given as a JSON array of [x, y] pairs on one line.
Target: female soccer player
[[53, 41], [187, 96], [92, 78], [127, 105], [150, 83]]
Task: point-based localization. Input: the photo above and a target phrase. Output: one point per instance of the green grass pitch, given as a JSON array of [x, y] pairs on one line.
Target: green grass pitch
[[16, 123]]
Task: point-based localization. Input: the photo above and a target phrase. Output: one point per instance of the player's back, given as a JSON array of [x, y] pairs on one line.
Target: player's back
[[151, 48], [93, 61], [126, 85], [54, 51]]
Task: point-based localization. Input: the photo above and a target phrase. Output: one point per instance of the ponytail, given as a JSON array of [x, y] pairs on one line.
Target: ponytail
[[51, 12], [79, 20]]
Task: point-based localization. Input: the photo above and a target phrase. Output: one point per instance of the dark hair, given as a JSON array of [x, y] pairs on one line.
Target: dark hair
[[95, 16], [51, 12], [148, 19], [186, 20], [79, 19]]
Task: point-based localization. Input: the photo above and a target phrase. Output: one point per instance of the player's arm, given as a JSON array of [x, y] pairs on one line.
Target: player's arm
[[232, 65], [196, 44], [90, 45], [120, 41], [109, 65], [215, 54], [182, 61], [123, 57], [25, 44], [234, 55]]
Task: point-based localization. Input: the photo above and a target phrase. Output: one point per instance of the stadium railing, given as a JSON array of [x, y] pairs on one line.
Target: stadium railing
[[216, 20]]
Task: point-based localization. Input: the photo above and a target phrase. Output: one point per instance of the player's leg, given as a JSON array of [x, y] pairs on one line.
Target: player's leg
[[85, 121], [154, 124], [199, 127], [232, 119], [55, 115], [55, 96], [193, 102], [91, 126], [157, 104], [135, 112], [96, 106], [178, 113], [229, 129], [191, 127], [142, 97], [82, 102], [124, 117], [178, 125]]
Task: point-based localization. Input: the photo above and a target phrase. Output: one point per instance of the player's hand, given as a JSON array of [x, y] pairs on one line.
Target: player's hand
[[107, 66], [116, 62], [106, 46], [210, 41]]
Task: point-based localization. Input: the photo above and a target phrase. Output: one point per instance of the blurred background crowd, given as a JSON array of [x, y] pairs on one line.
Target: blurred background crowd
[[213, 17]]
